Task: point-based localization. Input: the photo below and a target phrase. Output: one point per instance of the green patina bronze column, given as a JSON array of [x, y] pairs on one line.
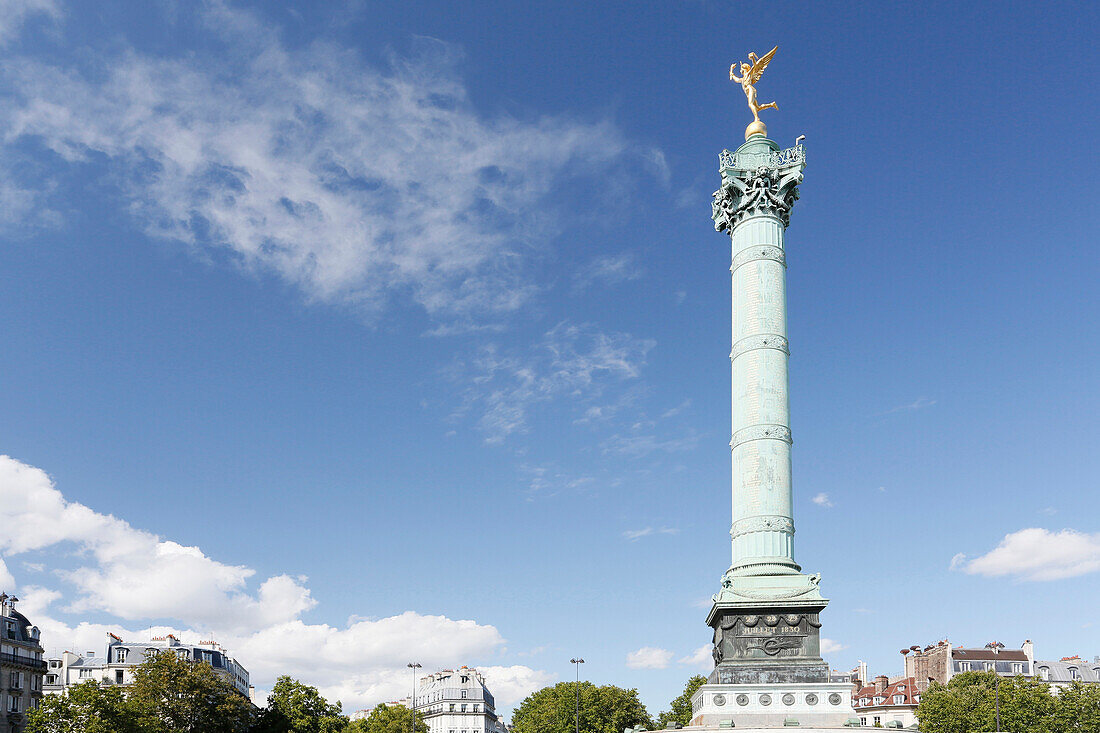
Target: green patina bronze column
[[766, 616]]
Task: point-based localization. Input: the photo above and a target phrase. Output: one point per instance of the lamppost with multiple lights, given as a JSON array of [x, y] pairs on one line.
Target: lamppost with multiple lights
[[578, 662], [412, 698]]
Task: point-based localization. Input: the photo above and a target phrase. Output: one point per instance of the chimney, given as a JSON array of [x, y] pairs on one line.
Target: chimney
[[1029, 650], [881, 682]]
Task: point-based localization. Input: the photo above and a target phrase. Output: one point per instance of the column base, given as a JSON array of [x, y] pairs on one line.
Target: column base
[[762, 705]]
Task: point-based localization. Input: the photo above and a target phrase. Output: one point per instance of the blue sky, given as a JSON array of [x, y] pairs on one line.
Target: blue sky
[[376, 332]]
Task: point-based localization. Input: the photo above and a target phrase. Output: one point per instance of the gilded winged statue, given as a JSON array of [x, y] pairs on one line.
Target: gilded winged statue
[[750, 74]]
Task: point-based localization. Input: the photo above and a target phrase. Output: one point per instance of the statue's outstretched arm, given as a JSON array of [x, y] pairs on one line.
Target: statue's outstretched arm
[[733, 76]]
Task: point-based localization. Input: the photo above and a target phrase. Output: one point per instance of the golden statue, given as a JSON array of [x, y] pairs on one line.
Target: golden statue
[[750, 74]]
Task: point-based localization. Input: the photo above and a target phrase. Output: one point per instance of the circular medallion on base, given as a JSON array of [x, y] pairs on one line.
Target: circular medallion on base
[[756, 128], [788, 699], [719, 699], [811, 699], [742, 699], [835, 698], [765, 699]]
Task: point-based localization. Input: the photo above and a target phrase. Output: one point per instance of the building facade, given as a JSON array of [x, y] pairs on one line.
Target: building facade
[[21, 666], [456, 701], [121, 659], [887, 704], [1068, 670], [941, 661]]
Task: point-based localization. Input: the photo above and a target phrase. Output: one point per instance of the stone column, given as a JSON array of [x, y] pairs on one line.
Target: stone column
[[759, 185]]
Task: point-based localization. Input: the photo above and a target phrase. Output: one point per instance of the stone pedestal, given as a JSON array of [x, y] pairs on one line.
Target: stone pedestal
[[769, 705]]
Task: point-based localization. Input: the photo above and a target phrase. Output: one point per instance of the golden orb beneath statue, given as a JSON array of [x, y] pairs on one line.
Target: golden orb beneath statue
[[756, 128]]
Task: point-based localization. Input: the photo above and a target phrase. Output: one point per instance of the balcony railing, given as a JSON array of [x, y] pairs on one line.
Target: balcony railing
[[36, 664]]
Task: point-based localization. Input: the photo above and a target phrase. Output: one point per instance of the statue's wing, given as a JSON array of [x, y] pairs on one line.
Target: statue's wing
[[761, 64]]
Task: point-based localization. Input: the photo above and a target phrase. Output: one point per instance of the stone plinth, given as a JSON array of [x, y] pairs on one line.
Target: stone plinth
[[768, 705]]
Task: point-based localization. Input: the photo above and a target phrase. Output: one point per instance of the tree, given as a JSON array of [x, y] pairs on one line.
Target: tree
[[390, 719], [1077, 708], [293, 707], [681, 706], [85, 708], [967, 703], [605, 709], [175, 695]]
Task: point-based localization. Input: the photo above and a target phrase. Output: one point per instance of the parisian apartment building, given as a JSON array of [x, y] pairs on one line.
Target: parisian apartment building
[[21, 666], [456, 701], [117, 664]]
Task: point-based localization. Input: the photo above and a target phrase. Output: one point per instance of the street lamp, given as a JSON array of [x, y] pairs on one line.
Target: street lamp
[[412, 698], [578, 661], [996, 646]]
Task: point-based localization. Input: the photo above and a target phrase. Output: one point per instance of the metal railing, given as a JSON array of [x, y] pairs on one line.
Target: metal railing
[[9, 658]]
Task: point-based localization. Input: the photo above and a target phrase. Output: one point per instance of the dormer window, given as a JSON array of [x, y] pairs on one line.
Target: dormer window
[[1074, 674], [964, 666], [1017, 668], [1044, 673], [879, 700], [120, 655], [899, 699]]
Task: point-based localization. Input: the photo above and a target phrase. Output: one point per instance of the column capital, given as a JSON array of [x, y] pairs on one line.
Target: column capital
[[758, 179]]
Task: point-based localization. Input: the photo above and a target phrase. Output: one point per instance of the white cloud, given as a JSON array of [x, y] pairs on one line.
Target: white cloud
[[822, 500], [648, 657], [828, 646], [918, 404], [14, 13], [357, 185], [574, 362], [608, 270], [1037, 554], [7, 580], [700, 659], [636, 534], [134, 576], [645, 443]]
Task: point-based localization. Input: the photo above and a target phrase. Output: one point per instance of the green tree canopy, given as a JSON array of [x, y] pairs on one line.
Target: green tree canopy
[[171, 694], [293, 707], [605, 709], [390, 719], [85, 708], [680, 711], [967, 704]]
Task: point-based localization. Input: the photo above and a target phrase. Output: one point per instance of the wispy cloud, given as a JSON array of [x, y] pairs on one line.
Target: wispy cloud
[[701, 659], [648, 657], [1037, 554], [608, 270], [918, 404], [828, 646], [634, 535], [577, 362], [638, 445], [14, 13], [358, 185], [673, 411], [822, 500]]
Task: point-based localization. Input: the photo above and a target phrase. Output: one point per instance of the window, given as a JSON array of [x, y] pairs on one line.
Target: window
[[1017, 668], [964, 666], [476, 707], [451, 710], [464, 694], [1044, 673], [120, 655], [899, 699], [13, 704], [55, 663], [879, 700], [916, 699], [1074, 674], [863, 721], [85, 673], [878, 721], [51, 679], [463, 708], [118, 676], [864, 701], [9, 627], [989, 667]]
